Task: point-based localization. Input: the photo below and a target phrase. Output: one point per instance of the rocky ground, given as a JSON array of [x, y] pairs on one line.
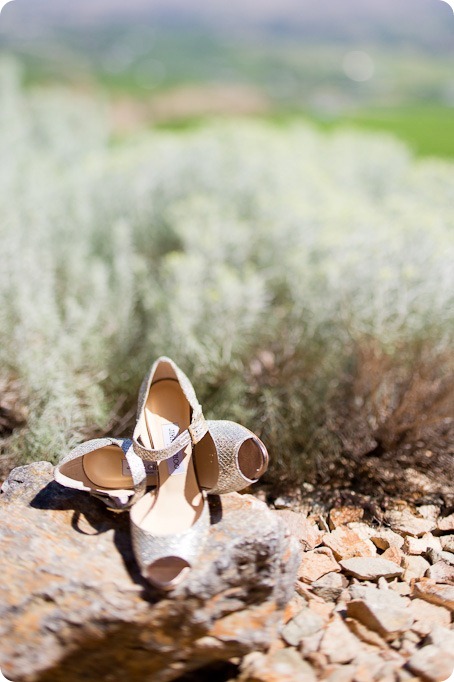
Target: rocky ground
[[372, 601]]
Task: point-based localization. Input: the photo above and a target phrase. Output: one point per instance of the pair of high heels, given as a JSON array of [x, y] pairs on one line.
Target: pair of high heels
[[179, 453]]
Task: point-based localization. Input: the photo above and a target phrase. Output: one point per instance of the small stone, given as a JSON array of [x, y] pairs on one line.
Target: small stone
[[308, 533], [364, 634], [407, 646], [387, 673], [305, 624], [322, 608], [432, 664], [401, 588], [413, 636], [415, 567], [369, 665], [441, 637], [284, 665], [310, 644], [329, 587], [427, 615], [284, 502], [344, 598], [383, 538], [421, 545], [441, 572], [446, 524], [358, 589], [383, 611], [429, 511], [436, 594], [322, 523], [362, 530], [371, 568], [345, 543], [318, 660], [448, 557], [393, 554], [338, 643], [293, 608], [382, 584], [432, 556], [316, 563], [343, 515], [408, 524], [447, 543]]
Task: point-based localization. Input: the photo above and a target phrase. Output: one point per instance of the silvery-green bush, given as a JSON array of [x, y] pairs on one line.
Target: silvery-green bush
[[259, 258]]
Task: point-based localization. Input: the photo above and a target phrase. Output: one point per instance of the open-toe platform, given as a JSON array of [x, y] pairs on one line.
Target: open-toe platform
[[229, 457]]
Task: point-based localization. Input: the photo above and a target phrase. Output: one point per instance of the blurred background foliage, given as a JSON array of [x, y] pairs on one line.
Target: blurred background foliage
[[200, 182]]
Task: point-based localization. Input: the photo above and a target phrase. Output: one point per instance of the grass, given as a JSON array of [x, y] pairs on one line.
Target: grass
[[429, 130]]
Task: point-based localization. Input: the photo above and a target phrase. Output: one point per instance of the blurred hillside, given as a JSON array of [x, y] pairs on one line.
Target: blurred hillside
[[379, 64]]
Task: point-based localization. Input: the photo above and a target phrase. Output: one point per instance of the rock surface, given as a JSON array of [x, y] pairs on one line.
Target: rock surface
[[428, 589], [371, 568], [408, 524], [317, 563], [432, 664], [446, 524], [384, 614], [345, 543], [73, 605], [307, 532], [383, 611], [415, 567]]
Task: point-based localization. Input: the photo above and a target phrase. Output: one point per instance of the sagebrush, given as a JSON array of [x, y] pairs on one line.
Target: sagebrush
[[267, 262]]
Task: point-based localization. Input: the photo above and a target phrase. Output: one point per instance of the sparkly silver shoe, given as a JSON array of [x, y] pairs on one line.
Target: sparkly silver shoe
[[227, 458], [169, 526]]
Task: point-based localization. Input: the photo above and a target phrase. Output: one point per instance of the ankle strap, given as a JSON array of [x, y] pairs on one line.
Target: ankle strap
[[193, 434]]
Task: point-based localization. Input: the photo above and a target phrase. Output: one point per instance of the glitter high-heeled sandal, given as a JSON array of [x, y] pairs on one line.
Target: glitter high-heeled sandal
[[169, 526], [228, 458]]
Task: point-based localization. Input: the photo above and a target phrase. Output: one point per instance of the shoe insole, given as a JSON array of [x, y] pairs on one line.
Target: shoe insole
[[107, 467], [178, 501]]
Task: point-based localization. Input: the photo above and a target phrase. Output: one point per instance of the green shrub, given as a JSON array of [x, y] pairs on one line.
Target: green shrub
[[263, 260]]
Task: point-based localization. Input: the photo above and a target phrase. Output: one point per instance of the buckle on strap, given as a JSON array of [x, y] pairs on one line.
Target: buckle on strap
[[198, 428]]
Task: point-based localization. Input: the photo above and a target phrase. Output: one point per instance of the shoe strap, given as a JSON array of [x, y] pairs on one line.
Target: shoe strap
[[192, 435], [139, 480]]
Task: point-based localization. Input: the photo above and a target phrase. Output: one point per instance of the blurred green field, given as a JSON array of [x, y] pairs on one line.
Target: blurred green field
[[279, 77], [427, 130]]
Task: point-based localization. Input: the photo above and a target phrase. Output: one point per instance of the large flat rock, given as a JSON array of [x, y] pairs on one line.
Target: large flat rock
[[73, 605]]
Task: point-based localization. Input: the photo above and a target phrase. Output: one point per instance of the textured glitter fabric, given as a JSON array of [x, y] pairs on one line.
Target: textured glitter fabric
[[228, 438], [193, 434], [188, 545]]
